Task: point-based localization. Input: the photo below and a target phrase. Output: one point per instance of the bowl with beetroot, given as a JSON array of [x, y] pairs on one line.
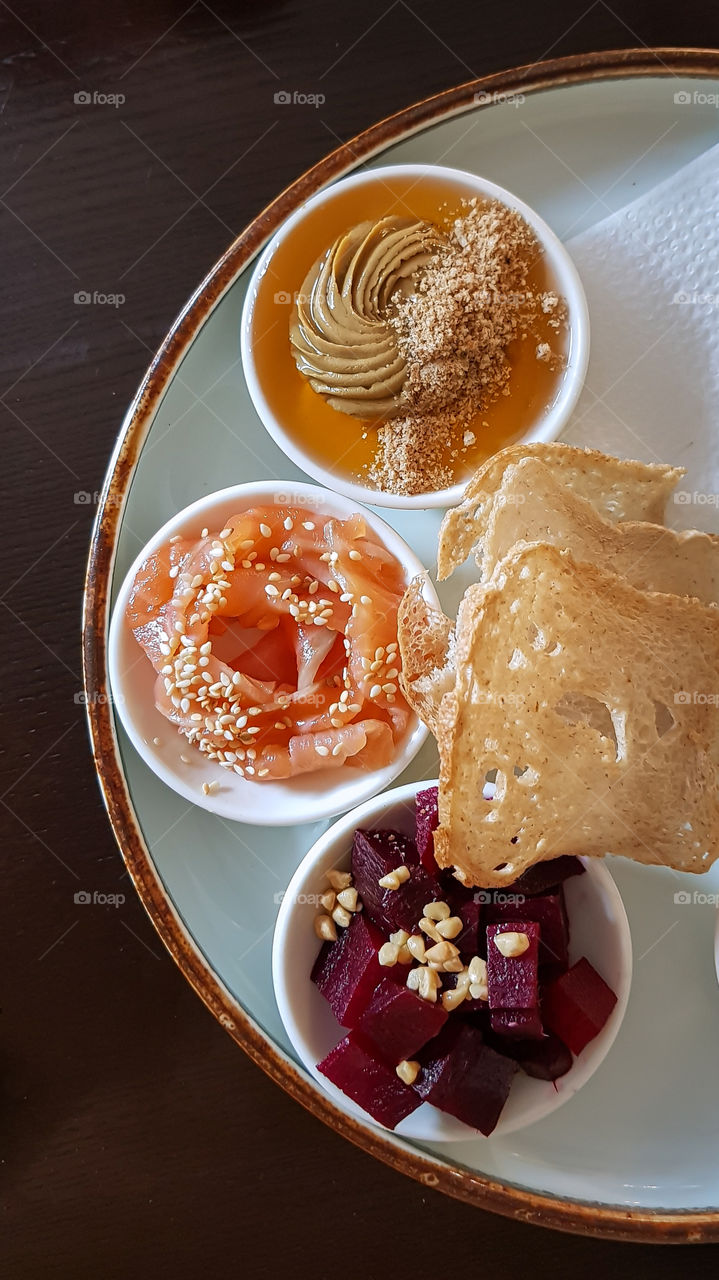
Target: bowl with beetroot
[[439, 1011]]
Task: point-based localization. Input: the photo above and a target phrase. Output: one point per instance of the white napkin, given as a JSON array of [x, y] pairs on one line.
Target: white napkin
[[651, 275]]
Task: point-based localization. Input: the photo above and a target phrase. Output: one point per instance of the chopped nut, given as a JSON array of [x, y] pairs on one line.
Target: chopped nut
[[407, 1071], [428, 985], [451, 927], [479, 991], [416, 948], [511, 944], [428, 927], [452, 999], [388, 954], [341, 917], [441, 952], [400, 940], [477, 970], [325, 929], [413, 979], [339, 879], [395, 878], [437, 911], [456, 965], [328, 900], [348, 898]]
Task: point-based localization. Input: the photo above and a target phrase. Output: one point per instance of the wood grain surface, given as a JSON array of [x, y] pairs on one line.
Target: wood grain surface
[[135, 1139]]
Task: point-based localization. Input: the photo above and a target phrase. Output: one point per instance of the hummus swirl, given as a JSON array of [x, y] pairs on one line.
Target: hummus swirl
[[340, 333]]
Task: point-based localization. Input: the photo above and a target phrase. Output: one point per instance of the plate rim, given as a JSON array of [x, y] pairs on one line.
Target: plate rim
[[574, 1216]]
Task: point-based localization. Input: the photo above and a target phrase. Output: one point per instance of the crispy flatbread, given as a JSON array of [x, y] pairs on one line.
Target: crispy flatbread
[[425, 646], [533, 505], [597, 705], [617, 489]]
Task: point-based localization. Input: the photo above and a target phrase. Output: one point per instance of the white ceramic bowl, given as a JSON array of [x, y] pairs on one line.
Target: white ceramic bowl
[[546, 427], [132, 678], [599, 931]]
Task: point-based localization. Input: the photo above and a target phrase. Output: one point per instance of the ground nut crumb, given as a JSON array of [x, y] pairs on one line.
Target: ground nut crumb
[[471, 301]]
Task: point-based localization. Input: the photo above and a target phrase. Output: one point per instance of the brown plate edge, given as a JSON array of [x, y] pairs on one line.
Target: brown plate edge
[[609, 1222]]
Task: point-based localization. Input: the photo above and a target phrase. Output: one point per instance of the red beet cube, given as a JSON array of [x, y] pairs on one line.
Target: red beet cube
[[398, 1022], [544, 876], [374, 855], [518, 1024], [577, 1005], [427, 823], [513, 980], [549, 912], [465, 1077], [374, 1085], [348, 970], [545, 1059]]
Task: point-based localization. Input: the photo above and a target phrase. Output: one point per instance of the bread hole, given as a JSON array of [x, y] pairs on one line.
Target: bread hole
[[663, 719], [579, 708], [503, 867], [537, 638], [555, 650], [518, 659], [526, 774]]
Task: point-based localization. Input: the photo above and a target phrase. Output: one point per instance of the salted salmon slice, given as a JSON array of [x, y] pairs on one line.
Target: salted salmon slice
[[275, 642]]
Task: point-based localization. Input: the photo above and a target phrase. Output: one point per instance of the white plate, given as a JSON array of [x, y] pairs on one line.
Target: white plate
[[643, 1135]]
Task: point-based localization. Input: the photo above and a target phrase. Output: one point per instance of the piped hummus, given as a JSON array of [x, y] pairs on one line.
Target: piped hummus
[[340, 334]]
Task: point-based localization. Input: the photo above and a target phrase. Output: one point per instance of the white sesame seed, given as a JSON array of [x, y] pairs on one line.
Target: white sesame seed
[[271, 589], [355, 555], [308, 525], [375, 691], [174, 570], [289, 525], [266, 531], [157, 742], [204, 533], [336, 750], [321, 751]]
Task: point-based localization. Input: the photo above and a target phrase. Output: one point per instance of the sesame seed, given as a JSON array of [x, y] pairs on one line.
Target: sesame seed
[[346, 597], [204, 533], [283, 557], [184, 759], [262, 773], [266, 531], [174, 570], [248, 542], [355, 555], [375, 691], [336, 722], [337, 749], [333, 586], [321, 751], [209, 788], [289, 525], [157, 742], [365, 599], [246, 564], [274, 577], [320, 621], [308, 525], [227, 565], [225, 533], [389, 688], [271, 589]]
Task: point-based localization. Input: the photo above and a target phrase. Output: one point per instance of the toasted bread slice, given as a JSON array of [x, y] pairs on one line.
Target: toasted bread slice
[[425, 645], [533, 505], [617, 489], [570, 683]]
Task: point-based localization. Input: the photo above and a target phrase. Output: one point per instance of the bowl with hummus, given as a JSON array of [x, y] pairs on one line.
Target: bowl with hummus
[[404, 325]]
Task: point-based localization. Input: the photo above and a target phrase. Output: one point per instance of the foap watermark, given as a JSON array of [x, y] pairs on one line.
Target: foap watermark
[[83, 699], [283, 297], [84, 898], [484, 99], [91, 497], [302, 899], [83, 98], [295, 98], [695, 698], [686, 497], [695, 298], [695, 898], [496, 898], [83, 298], [696, 98]]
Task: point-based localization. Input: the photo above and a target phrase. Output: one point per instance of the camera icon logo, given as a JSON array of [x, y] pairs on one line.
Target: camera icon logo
[[283, 298], [82, 97], [484, 897], [682, 98], [482, 98], [282, 97], [682, 698], [683, 898], [682, 498], [82, 897], [82, 298]]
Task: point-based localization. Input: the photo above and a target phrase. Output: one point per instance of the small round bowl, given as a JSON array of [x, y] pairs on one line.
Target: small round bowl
[[599, 931], [546, 427], [306, 798]]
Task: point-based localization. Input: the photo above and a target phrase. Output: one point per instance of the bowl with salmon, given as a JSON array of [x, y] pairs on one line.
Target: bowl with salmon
[[253, 653]]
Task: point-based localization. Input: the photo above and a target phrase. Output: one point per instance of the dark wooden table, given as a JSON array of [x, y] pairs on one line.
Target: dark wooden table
[[135, 1138]]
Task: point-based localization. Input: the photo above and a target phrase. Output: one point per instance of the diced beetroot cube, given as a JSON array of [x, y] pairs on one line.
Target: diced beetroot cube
[[427, 823], [549, 913], [547, 875], [512, 980], [465, 1077], [469, 941], [374, 1085], [577, 1005], [374, 855], [545, 1059], [348, 970], [398, 1022], [519, 1024]]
